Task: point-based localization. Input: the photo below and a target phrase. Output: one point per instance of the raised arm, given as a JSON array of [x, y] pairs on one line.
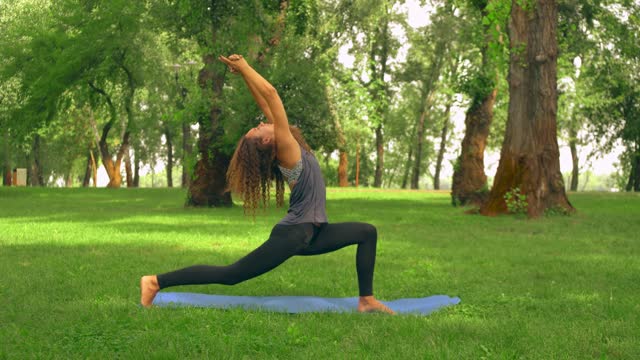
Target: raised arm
[[288, 150], [260, 100]]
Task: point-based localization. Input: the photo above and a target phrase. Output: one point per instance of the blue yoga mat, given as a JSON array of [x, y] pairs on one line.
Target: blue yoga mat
[[299, 304]]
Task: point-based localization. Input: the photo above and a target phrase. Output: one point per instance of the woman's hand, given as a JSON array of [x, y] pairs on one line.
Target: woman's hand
[[236, 63]]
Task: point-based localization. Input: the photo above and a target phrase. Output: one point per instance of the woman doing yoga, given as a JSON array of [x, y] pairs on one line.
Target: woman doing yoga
[[268, 152]]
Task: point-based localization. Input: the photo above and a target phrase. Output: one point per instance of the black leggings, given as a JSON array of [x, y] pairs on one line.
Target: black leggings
[[284, 242]]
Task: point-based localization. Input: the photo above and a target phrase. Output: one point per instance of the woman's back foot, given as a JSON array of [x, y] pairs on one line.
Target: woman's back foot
[[148, 289]]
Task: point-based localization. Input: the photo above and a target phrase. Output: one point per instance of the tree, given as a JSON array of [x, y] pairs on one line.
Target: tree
[[529, 160], [374, 47], [469, 183]]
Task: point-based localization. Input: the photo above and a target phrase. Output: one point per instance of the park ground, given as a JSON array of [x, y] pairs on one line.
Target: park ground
[[558, 287]]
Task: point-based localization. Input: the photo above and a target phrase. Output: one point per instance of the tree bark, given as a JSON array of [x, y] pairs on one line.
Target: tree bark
[[443, 146], [530, 159], [209, 186], [469, 178]]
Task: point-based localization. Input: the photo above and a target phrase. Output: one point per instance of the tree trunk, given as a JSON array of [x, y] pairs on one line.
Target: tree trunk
[[377, 182], [443, 146], [407, 169], [636, 185], [94, 169], [469, 178], [36, 168], [378, 77], [6, 166], [127, 168], [112, 167], [136, 172], [167, 134], [343, 180], [88, 170], [415, 173], [68, 180], [357, 163], [575, 172], [186, 154], [209, 186], [530, 159], [633, 183]]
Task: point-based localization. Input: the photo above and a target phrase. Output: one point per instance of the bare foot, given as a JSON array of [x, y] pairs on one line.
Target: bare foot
[[370, 304], [148, 289]]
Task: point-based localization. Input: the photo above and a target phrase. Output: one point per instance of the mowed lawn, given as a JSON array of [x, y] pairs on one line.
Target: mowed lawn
[[559, 287]]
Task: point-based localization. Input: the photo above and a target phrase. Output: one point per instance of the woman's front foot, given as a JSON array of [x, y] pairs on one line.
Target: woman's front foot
[[370, 304]]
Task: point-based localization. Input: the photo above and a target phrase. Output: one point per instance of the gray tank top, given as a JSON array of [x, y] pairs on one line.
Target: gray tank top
[[308, 197]]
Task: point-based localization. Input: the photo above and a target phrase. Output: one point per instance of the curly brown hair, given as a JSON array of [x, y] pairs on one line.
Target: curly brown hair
[[253, 169]]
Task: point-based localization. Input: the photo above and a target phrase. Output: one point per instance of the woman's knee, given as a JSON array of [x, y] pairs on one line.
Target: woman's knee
[[370, 232]]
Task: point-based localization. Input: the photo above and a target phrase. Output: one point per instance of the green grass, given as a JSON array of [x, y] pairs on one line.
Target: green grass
[[554, 288]]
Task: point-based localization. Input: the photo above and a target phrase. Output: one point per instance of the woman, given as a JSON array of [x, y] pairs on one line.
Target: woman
[[275, 151]]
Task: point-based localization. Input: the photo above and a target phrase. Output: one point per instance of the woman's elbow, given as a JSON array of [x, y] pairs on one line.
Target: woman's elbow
[[270, 91]]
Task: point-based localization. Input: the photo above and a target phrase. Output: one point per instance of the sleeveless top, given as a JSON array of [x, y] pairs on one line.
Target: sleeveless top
[[308, 197]]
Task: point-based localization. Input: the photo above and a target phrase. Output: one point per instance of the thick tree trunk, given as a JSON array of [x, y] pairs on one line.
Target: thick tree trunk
[[209, 186], [443, 146], [377, 182], [469, 178], [575, 171], [530, 159], [169, 137], [469, 183], [186, 154]]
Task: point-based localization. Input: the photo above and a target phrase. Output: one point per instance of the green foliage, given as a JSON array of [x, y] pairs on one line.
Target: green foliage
[[478, 87], [516, 201]]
